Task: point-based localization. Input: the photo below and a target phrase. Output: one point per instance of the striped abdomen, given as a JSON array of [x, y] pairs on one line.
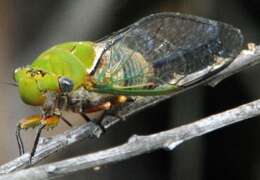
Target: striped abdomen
[[123, 67]]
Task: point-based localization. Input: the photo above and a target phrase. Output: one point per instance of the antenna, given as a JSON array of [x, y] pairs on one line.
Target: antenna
[[9, 83]]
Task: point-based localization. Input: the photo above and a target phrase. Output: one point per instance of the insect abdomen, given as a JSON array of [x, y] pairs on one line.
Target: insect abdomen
[[123, 67], [136, 70]]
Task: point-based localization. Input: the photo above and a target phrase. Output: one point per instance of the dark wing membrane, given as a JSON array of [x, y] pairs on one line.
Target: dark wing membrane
[[152, 55]]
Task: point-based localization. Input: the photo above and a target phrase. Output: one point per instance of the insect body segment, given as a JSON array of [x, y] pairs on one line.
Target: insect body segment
[[123, 68], [84, 51], [33, 84], [61, 62], [68, 60]]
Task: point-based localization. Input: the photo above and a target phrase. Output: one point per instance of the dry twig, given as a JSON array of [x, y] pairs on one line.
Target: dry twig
[[139, 145]]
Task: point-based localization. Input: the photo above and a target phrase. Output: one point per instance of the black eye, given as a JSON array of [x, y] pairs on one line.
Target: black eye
[[66, 85]]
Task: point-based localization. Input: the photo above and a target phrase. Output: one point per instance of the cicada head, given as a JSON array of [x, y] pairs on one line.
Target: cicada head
[[34, 83]]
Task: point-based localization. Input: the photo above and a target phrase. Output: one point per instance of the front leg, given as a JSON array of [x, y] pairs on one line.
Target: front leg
[[32, 122], [49, 122], [29, 122]]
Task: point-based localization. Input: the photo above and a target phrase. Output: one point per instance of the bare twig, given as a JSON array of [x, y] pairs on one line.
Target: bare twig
[[49, 146], [139, 145]]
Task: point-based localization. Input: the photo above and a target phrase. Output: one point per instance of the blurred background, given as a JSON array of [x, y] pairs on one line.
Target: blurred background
[[29, 27]]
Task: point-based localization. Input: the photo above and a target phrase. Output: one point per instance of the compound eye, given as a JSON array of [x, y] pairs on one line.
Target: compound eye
[[66, 84]]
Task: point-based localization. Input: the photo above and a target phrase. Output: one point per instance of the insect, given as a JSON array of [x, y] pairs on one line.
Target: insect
[[159, 54]]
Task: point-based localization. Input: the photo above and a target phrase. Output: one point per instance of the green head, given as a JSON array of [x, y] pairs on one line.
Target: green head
[[33, 84], [61, 68]]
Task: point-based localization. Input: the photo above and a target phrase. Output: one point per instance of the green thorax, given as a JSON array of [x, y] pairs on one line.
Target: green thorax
[[71, 59]]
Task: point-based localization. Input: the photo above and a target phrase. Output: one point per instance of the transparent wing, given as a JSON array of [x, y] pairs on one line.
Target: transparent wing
[[156, 54]]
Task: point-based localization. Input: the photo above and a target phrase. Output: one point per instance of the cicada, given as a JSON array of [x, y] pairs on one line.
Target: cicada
[[157, 55]]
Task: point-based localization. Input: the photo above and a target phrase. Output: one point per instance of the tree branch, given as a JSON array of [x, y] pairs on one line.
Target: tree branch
[[139, 145], [246, 59]]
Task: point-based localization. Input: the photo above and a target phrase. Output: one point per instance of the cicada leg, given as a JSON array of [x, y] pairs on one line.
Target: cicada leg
[[100, 107], [29, 122], [49, 122], [106, 107], [36, 141], [117, 102], [66, 121], [32, 122]]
